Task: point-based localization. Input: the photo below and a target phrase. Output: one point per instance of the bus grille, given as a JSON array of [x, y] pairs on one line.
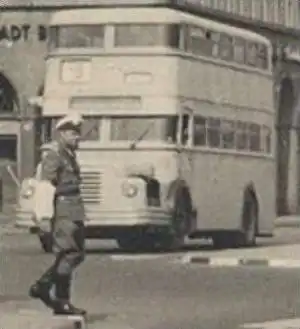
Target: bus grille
[[91, 187]]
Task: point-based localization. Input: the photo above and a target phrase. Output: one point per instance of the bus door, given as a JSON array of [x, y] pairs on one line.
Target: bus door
[[184, 149]]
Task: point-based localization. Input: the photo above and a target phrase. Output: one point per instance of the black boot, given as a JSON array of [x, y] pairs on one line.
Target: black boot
[[41, 288], [62, 304]]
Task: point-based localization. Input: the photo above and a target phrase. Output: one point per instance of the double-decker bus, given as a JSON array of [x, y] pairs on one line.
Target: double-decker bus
[[179, 124]]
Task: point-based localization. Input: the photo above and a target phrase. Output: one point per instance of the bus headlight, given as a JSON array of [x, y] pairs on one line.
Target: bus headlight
[[129, 190]]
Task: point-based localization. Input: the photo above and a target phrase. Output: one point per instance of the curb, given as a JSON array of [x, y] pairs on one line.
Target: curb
[[288, 221], [240, 262]]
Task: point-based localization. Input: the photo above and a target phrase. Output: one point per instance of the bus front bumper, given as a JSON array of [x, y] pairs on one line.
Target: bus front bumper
[[127, 218], [155, 217]]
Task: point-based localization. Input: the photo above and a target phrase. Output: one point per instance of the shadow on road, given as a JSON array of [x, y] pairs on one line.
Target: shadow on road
[[28, 244]]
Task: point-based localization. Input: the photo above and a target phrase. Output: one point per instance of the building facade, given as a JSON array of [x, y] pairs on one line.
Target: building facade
[[23, 44]]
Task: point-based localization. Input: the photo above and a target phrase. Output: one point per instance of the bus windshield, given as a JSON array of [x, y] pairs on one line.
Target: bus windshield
[[145, 128]]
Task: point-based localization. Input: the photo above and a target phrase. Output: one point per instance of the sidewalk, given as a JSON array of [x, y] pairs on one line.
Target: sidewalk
[[276, 324], [288, 221], [282, 256], [29, 315]]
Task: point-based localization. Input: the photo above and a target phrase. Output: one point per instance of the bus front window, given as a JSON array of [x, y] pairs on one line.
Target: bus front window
[[144, 128]]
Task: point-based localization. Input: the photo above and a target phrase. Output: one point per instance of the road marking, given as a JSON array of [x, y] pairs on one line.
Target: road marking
[[123, 257], [240, 261]]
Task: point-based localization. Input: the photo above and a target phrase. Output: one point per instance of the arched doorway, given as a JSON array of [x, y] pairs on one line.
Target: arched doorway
[[9, 102], [286, 100]]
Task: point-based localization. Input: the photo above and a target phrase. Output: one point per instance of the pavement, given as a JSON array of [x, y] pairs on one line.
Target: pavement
[[278, 324], [197, 287], [288, 221]]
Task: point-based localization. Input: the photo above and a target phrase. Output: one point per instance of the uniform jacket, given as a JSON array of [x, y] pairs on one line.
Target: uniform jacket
[[60, 167]]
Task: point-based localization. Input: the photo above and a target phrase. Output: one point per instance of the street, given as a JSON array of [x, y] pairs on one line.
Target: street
[[157, 291]]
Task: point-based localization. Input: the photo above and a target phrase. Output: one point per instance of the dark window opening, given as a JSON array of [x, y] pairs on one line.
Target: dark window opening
[[8, 96]]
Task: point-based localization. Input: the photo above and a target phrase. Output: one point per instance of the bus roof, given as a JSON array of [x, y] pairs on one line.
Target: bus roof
[[95, 3], [75, 3], [146, 15]]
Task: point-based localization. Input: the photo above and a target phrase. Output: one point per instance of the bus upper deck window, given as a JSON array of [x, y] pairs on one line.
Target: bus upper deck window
[[185, 129], [147, 35], [79, 36], [262, 56]]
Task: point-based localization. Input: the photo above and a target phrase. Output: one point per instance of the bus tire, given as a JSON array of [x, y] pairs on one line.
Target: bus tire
[[182, 216]]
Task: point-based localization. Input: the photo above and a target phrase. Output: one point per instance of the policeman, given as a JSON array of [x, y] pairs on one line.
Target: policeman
[[59, 197]]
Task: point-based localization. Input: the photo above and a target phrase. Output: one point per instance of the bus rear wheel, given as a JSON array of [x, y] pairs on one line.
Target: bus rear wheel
[[247, 236]]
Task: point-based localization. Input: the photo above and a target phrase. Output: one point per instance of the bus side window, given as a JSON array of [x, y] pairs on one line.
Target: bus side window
[[226, 47], [254, 137], [228, 134], [197, 41], [171, 129], [199, 138], [262, 56], [266, 137], [242, 136], [214, 133], [251, 54], [239, 50]]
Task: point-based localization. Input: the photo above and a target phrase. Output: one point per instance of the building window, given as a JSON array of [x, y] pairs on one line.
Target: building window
[[221, 5], [270, 12], [247, 8], [258, 10], [282, 10], [291, 13], [236, 7]]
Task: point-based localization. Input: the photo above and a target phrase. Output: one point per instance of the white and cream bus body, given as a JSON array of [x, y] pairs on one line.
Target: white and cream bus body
[[178, 138]]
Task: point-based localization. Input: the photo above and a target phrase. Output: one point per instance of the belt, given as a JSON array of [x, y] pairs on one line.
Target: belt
[[67, 191]]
